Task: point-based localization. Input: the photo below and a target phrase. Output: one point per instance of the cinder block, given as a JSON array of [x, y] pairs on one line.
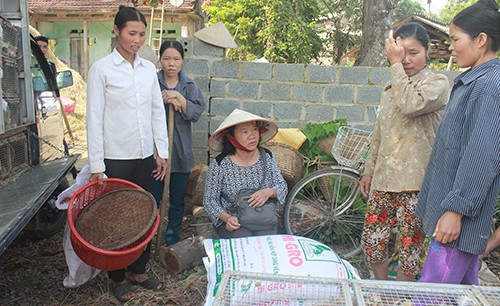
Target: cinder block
[[307, 93], [289, 72], [217, 88], [259, 108], [321, 74], [225, 69], [379, 75], [200, 156], [257, 71], [353, 75], [203, 49], [319, 113], [222, 107], [372, 113], [195, 67], [339, 94], [369, 94], [275, 91], [200, 140], [353, 114], [202, 82], [246, 90], [284, 112], [202, 123]]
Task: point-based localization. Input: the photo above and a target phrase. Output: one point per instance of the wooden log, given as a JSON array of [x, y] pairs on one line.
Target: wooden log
[[202, 223], [183, 255], [195, 187], [189, 252]]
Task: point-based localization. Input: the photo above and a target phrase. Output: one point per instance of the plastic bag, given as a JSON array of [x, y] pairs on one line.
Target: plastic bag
[[79, 272], [82, 179]]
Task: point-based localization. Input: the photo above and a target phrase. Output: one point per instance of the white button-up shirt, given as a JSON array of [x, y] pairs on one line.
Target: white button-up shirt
[[125, 113]]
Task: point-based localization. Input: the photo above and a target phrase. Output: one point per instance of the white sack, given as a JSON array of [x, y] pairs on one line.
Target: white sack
[[274, 254]]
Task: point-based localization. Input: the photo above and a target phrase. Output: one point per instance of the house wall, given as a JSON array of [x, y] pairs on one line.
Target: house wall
[[290, 94]]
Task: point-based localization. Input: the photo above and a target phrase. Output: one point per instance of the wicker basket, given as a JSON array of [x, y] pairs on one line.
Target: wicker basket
[[289, 160], [117, 219], [94, 256]]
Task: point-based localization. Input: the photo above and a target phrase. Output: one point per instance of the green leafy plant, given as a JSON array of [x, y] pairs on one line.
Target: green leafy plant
[[315, 132]]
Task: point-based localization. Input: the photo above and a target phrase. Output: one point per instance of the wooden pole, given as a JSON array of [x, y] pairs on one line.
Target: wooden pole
[[165, 200], [66, 122]]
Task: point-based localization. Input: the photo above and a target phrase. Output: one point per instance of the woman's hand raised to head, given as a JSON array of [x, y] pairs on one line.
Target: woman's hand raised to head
[[395, 52]]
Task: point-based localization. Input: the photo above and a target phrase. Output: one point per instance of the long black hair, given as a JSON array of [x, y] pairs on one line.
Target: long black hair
[[481, 17]]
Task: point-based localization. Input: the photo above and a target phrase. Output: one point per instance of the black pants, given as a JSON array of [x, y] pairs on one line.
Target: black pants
[[138, 171]]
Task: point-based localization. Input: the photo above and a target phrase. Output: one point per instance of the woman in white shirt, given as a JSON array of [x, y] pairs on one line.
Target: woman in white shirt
[[126, 126]]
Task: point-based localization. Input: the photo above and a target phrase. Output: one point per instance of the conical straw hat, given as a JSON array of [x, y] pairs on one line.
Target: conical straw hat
[[236, 117], [217, 35]]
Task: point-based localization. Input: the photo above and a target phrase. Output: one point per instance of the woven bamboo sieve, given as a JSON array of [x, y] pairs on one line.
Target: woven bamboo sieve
[[117, 219]]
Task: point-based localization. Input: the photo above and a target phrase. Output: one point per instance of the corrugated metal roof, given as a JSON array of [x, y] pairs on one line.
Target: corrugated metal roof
[[48, 6]]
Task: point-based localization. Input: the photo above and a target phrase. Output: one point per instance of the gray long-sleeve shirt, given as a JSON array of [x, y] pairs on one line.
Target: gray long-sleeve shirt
[[463, 174], [182, 148]]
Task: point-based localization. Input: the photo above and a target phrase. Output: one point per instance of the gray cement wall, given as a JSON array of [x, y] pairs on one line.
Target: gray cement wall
[[290, 94]]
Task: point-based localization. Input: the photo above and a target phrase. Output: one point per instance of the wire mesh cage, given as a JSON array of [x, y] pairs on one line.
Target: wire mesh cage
[[351, 145], [378, 293], [487, 295], [244, 289]]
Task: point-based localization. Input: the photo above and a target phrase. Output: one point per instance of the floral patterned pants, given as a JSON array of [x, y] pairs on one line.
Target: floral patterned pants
[[388, 211]]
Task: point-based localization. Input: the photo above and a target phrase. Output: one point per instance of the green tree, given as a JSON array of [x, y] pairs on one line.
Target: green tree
[[453, 7], [404, 8], [341, 22], [282, 31]]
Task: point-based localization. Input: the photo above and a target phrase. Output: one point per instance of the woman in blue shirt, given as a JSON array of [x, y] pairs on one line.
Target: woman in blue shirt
[[188, 103], [462, 180]]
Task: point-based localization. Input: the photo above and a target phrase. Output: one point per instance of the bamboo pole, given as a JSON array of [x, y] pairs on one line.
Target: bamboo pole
[[165, 200]]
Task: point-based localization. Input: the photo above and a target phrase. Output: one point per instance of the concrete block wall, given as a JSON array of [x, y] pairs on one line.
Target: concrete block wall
[[293, 95]]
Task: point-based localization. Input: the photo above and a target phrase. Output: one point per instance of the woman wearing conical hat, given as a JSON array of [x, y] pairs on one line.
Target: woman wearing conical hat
[[241, 165]]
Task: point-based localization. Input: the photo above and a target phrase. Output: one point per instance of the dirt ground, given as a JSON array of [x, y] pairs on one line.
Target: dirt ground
[[32, 271]]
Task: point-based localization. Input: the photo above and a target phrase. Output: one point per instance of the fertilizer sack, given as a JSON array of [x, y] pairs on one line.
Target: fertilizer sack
[[274, 254]]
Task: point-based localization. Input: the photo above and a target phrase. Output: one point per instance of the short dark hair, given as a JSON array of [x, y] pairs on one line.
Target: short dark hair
[[481, 17], [172, 44], [126, 14], [41, 38], [413, 30]]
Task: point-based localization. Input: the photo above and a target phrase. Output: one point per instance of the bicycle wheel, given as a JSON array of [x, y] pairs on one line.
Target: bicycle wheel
[[326, 206]]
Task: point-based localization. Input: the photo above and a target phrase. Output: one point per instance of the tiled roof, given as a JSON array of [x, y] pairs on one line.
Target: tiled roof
[[48, 6]]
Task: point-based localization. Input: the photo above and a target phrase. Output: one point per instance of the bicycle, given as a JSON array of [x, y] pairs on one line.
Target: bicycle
[[326, 205]]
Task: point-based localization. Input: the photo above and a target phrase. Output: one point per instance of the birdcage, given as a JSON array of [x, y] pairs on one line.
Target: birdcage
[[244, 289], [380, 293]]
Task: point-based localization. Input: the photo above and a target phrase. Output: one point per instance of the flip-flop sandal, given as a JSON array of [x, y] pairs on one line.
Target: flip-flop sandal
[[151, 283], [120, 290]]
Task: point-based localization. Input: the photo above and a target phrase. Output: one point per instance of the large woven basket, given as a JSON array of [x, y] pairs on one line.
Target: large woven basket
[[117, 219], [289, 160], [130, 246]]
